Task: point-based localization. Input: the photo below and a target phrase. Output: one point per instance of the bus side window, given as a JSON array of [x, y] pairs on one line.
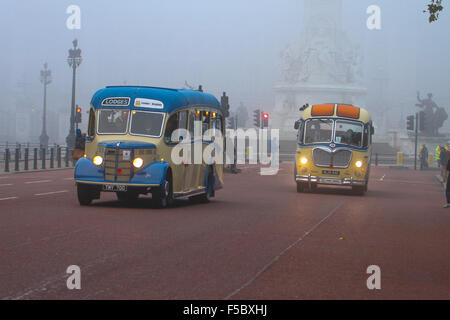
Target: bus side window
[[366, 135], [172, 125], [205, 117], [91, 125], [192, 116], [301, 130], [219, 126]]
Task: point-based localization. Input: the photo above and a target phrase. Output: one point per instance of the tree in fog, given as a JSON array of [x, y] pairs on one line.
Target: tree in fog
[[434, 8]]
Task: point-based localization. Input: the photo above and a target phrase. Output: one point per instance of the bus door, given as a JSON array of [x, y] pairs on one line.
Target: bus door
[[190, 166], [177, 121]]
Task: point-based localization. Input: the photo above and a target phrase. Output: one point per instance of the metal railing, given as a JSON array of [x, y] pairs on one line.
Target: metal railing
[[24, 157]]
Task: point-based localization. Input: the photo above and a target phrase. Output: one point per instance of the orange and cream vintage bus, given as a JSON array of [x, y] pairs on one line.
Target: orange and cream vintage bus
[[333, 147]]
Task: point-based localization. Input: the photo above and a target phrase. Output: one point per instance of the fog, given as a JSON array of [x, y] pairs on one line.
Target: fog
[[231, 46]]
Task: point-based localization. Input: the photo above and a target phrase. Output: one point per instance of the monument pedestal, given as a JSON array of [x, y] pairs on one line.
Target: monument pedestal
[[322, 66]]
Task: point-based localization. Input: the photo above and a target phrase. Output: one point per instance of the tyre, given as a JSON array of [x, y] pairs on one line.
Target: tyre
[[359, 190], [127, 196], [85, 194], [162, 197], [300, 187]]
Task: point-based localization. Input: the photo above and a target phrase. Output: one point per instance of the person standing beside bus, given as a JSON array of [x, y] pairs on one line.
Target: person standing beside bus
[[447, 185], [444, 157]]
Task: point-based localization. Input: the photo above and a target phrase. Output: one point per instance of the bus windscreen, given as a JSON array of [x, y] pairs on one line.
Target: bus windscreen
[[112, 121]]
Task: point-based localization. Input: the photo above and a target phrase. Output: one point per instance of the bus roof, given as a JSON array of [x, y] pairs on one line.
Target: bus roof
[[151, 98], [336, 110]]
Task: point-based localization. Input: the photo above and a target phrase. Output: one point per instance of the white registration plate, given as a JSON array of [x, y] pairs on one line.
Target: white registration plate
[[114, 188], [332, 181]]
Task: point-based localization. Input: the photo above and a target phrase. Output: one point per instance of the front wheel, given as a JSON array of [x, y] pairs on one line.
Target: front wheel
[[85, 195], [359, 190], [163, 196]]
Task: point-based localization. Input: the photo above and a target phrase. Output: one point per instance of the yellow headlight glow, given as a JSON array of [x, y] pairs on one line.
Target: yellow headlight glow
[[138, 162], [358, 164], [97, 160], [303, 161]]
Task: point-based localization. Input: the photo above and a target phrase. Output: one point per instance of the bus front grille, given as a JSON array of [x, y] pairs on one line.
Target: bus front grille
[[116, 168], [338, 159]]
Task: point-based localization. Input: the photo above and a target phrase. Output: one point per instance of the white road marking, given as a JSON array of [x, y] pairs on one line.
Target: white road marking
[[48, 193], [6, 184], [264, 268], [382, 178], [40, 181], [10, 198]]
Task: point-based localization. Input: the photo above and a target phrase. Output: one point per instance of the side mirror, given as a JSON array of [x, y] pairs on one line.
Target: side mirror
[[297, 125], [89, 139], [372, 129]]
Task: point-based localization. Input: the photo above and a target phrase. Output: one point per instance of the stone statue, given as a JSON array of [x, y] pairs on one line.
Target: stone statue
[[434, 115]]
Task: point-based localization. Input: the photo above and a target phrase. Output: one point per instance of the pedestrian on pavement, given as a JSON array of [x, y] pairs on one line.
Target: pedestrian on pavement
[[423, 156]]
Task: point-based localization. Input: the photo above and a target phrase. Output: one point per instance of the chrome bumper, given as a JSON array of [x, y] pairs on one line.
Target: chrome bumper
[[330, 180]]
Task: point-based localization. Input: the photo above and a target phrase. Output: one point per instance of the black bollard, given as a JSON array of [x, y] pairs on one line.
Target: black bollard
[[35, 158], [58, 156], [52, 155], [43, 158], [26, 159], [376, 159], [6, 160], [16, 159]]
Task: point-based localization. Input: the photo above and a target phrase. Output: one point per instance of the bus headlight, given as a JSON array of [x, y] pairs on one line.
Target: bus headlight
[[97, 160], [358, 164], [303, 161], [138, 162]]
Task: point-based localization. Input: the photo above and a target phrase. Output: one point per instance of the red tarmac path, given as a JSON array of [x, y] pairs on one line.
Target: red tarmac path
[[258, 239]]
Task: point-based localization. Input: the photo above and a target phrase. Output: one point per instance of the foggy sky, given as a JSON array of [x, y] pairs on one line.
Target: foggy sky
[[225, 45]]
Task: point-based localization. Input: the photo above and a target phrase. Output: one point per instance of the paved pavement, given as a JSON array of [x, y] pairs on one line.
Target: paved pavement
[[258, 239]]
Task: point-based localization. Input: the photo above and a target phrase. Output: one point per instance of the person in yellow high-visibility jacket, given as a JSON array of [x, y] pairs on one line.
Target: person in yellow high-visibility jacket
[[437, 155]]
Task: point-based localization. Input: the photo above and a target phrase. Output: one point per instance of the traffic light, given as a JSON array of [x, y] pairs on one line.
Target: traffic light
[[257, 118], [225, 105], [265, 120], [78, 115], [410, 123], [422, 120]]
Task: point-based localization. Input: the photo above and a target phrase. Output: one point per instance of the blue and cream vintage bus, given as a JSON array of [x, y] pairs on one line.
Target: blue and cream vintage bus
[[130, 140]]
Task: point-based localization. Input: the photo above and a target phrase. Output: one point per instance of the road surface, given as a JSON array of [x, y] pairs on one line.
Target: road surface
[[258, 239]]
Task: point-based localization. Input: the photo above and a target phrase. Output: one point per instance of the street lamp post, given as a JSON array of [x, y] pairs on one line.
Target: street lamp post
[[46, 78], [74, 61]]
